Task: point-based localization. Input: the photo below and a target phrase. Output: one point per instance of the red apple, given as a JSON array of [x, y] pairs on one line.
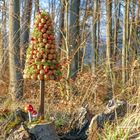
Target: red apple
[[40, 28], [46, 70]]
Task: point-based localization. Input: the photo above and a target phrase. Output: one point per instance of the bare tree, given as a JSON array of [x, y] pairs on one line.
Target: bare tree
[[61, 29], [94, 35], [83, 36], [3, 37], [74, 34], [15, 87], [25, 29], [125, 37]]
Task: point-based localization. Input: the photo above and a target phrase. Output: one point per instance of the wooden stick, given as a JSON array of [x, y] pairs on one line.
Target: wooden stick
[[42, 91]]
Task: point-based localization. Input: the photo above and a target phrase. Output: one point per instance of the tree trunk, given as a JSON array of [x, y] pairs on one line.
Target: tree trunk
[[74, 34], [108, 33], [16, 87], [94, 35], [124, 44], [61, 30], [36, 6], [3, 39], [98, 29], [115, 28], [1, 51], [83, 37], [25, 30]]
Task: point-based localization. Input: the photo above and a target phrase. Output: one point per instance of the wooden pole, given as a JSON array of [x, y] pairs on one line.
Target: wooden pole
[[42, 91]]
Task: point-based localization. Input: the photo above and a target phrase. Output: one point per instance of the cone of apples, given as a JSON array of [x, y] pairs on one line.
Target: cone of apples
[[41, 56]]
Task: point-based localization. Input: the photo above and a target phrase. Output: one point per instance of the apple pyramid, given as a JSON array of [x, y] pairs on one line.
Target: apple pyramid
[[41, 56]]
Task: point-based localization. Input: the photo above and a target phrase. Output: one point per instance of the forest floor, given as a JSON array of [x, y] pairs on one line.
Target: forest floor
[[64, 98]]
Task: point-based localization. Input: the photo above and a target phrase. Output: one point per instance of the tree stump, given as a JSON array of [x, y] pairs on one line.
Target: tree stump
[[44, 132]]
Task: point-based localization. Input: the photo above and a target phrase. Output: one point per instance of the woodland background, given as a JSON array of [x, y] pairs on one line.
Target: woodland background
[[98, 43]]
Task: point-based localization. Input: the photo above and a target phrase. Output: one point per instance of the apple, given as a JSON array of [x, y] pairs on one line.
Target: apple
[[44, 40], [45, 35], [38, 20], [34, 56], [52, 77], [50, 72], [45, 66], [40, 77], [40, 28], [50, 56], [49, 61], [54, 56], [36, 60], [35, 51], [45, 26], [42, 71], [39, 55], [52, 67], [51, 37], [44, 56], [54, 61], [40, 66], [42, 52], [35, 66], [43, 30], [41, 44], [39, 40], [34, 77], [50, 41], [46, 70], [24, 76], [50, 27], [53, 46], [37, 71], [46, 77], [52, 51], [43, 60], [47, 46], [43, 20]]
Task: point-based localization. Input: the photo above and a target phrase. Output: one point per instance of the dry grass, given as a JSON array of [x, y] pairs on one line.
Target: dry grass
[[64, 97]]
